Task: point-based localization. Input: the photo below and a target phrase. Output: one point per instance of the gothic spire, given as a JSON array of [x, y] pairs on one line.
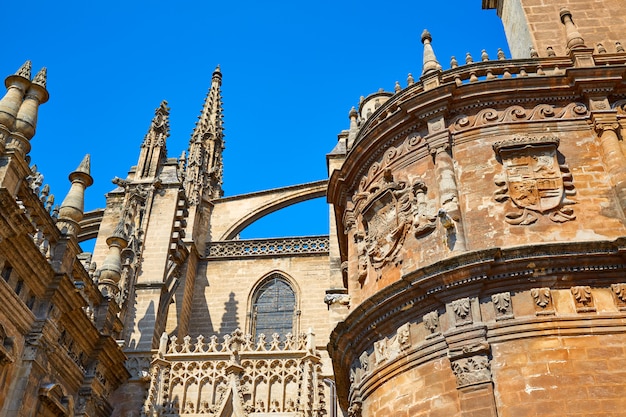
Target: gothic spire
[[203, 173], [153, 150]]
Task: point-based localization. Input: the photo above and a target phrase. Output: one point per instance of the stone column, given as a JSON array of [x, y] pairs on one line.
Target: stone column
[[449, 212], [606, 126]]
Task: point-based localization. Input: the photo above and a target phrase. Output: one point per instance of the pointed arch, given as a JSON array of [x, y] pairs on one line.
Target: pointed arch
[[274, 306]]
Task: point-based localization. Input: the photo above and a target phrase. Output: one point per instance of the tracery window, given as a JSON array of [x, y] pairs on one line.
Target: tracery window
[[273, 307]]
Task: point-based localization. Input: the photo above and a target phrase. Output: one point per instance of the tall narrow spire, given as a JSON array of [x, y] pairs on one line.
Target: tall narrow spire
[[203, 173], [153, 150]]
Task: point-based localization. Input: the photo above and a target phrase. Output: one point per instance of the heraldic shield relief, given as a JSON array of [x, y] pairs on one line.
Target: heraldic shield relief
[[534, 180], [389, 210]]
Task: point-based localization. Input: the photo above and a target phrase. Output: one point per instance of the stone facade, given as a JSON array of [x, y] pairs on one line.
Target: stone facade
[[474, 265], [481, 216]]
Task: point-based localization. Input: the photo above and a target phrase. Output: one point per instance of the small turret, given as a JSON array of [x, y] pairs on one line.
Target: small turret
[[72, 208], [17, 85], [26, 119], [111, 271]]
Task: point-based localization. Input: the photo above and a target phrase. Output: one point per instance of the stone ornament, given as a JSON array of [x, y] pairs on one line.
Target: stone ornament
[[462, 309], [502, 305], [471, 371], [517, 114], [619, 293], [583, 299], [389, 349], [388, 211], [431, 322], [543, 301], [196, 377], [534, 181]]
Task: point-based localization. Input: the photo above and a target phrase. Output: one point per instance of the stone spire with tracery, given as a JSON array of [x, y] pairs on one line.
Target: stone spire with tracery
[[203, 171], [153, 150]]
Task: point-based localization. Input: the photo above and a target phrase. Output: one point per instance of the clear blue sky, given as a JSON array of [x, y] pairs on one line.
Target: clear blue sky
[[291, 72]]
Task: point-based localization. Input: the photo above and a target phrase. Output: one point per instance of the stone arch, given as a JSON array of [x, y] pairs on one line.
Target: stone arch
[[241, 211]]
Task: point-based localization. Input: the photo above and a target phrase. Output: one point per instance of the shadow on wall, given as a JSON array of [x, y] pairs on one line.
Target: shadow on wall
[[141, 337], [230, 321]]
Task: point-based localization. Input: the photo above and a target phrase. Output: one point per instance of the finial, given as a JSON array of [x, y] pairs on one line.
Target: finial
[[533, 52], [111, 270], [353, 113], [410, 80], [85, 165], [24, 70], [453, 62], [72, 208], [574, 38], [619, 47], [484, 56], [430, 62], [550, 51], [41, 77], [468, 58], [397, 87], [501, 56], [601, 49], [218, 72]]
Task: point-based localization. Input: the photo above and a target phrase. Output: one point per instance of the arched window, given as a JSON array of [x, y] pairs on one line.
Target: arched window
[[273, 307]]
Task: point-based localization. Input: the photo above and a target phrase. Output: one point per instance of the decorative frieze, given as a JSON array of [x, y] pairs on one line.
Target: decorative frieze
[[534, 181], [517, 114], [583, 299], [542, 301], [389, 349]]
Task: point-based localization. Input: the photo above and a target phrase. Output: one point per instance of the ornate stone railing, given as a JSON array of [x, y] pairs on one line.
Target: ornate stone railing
[[484, 69], [268, 247], [200, 377]]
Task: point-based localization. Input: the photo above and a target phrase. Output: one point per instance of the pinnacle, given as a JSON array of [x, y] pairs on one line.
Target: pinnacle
[[25, 69], [41, 77], [85, 165]]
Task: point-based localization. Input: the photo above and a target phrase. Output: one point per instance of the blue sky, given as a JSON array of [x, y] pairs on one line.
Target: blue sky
[[291, 73]]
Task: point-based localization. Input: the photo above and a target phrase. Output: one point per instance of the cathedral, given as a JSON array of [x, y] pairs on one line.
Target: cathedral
[[475, 264]]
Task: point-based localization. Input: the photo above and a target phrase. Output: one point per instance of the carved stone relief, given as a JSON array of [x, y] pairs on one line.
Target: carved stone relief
[[543, 301], [518, 114], [502, 305], [472, 370], [619, 294], [389, 349], [462, 310], [534, 181], [431, 321], [387, 211], [583, 299]]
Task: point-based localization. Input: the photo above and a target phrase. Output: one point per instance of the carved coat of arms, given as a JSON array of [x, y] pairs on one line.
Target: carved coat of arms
[[389, 210], [534, 180]]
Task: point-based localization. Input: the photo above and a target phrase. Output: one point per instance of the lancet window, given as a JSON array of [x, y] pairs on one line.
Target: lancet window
[[273, 307]]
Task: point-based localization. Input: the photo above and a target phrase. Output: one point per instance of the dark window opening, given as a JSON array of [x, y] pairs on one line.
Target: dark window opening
[[274, 308]]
